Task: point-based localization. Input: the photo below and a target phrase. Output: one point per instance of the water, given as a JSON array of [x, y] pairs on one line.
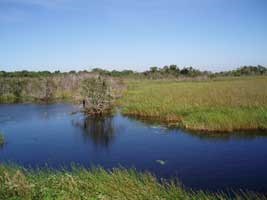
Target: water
[[39, 135]]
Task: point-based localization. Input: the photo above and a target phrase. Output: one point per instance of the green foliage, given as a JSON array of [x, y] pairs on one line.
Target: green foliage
[[80, 183], [175, 71], [218, 105], [245, 71], [11, 89], [153, 69], [171, 71], [24, 73]]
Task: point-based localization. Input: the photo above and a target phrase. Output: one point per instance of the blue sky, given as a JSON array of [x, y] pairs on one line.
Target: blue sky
[[135, 34]]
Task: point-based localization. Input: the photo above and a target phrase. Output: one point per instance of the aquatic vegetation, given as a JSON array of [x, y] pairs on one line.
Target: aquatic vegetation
[[224, 104], [2, 139], [80, 183], [161, 162]]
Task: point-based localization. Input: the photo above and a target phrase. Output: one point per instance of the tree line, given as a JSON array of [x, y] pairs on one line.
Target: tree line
[[153, 72]]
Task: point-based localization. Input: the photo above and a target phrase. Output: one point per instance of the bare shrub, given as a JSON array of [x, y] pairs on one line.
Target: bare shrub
[[97, 96]]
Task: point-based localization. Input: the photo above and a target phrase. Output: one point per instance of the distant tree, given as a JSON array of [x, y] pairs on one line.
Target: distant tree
[[127, 72], [262, 70], [153, 69], [174, 70], [173, 67], [96, 70], [184, 71], [115, 73], [166, 69]]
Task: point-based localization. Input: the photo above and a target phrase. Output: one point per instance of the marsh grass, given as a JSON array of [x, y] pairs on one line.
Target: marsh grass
[[2, 139], [97, 183], [214, 105]]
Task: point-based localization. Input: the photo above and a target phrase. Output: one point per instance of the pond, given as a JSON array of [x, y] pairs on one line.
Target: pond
[[56, 136]]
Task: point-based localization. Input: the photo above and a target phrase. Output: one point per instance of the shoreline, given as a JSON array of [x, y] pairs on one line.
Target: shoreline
[[169, 121], [222, 106], [179, 124]]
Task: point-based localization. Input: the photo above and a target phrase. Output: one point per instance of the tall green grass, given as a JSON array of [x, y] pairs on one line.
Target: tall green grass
[[18, 183], [214, 105]]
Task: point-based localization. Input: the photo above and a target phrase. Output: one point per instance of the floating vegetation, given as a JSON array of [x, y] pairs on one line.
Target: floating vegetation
[[2, 139], [161, 162]]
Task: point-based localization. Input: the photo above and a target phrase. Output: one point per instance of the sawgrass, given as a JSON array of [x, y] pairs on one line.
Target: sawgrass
[[214, 105], [80, 183]]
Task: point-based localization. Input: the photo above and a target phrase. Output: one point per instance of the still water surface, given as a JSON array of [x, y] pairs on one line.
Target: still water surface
[[40, 135]]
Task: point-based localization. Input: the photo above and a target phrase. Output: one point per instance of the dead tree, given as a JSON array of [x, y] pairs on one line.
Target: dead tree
[[97, 96]]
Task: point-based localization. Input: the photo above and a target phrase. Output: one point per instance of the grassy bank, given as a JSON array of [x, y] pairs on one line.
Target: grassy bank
[[16, 183], [214, 105]]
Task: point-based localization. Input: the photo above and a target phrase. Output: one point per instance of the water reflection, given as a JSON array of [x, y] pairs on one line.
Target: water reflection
[[57, 135], [99, 129], [209, 136], [245, 135]]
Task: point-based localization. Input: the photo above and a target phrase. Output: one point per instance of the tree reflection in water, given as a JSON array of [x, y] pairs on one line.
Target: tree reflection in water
[[99, 129]]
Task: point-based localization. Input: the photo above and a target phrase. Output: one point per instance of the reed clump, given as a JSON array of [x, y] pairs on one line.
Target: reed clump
[[2, 139], [80, 183], [215, 105]]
